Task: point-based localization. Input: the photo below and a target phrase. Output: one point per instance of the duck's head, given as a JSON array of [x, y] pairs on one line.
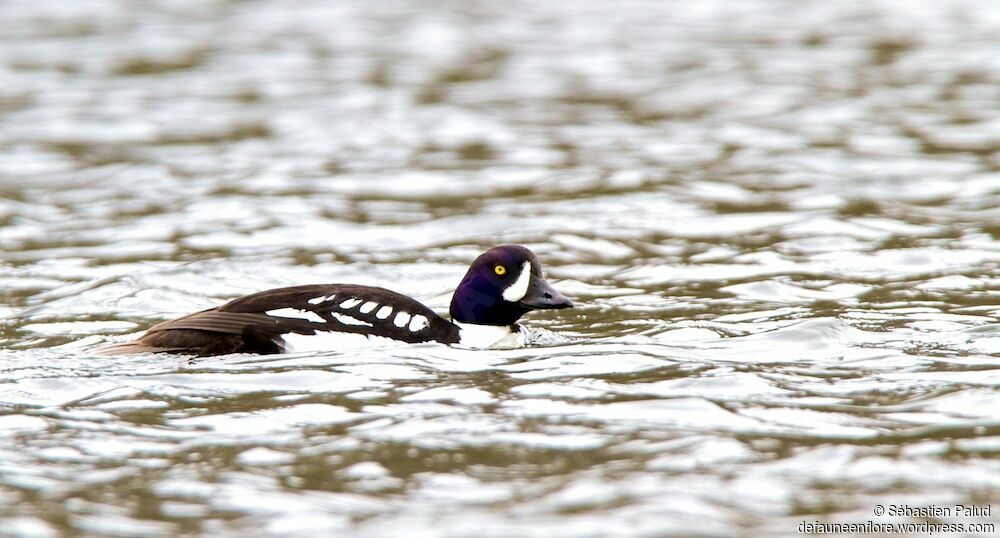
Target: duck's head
[[502, 285]]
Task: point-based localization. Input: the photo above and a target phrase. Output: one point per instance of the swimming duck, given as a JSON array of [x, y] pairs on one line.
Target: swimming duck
[[501, 285]]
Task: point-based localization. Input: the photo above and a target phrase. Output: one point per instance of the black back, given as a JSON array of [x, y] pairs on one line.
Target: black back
[[243, 325]]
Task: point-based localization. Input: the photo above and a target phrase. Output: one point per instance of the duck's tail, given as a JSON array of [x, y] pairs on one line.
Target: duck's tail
[[129, 348]]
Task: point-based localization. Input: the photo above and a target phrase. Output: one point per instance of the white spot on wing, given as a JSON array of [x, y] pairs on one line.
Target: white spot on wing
[[323, 299], [383, 312], [348, 320], [368, 307], [295, 313], [418, 323], [350, 303], [401, 319], [516, 291]]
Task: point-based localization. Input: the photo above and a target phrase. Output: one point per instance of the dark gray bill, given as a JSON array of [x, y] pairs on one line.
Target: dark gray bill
[[542, 295]]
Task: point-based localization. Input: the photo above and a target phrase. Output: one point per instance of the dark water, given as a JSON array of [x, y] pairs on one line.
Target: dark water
[[780, 221]]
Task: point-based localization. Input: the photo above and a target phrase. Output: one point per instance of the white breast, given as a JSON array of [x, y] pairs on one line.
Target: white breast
[[489, 336]]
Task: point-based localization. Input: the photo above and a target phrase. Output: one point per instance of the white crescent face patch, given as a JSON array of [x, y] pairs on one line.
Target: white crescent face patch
[[516, 291]]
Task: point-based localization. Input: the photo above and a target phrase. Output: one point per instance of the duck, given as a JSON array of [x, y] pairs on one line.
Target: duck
[[501, 285]]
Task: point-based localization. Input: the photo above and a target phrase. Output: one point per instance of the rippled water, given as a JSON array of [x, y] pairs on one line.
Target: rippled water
[[780, 222]]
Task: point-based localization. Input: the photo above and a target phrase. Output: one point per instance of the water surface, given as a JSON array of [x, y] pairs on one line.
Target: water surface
[[780, 222]]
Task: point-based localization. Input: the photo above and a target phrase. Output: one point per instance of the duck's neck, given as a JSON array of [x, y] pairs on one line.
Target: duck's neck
[[490, 336]]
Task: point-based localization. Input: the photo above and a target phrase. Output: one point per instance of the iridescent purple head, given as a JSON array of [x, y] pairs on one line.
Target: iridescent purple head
[[502, 285]]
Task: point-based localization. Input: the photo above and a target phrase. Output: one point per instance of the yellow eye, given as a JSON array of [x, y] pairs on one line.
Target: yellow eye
[[500, 270]]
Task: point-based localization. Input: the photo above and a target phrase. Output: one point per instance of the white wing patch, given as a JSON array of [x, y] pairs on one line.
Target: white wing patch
[[418, 323], [401, 319], [348, 320], [295, 313], [368, 307], [323, 299], [327, 341], [383, 312], [350, 303], [516, 291]]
